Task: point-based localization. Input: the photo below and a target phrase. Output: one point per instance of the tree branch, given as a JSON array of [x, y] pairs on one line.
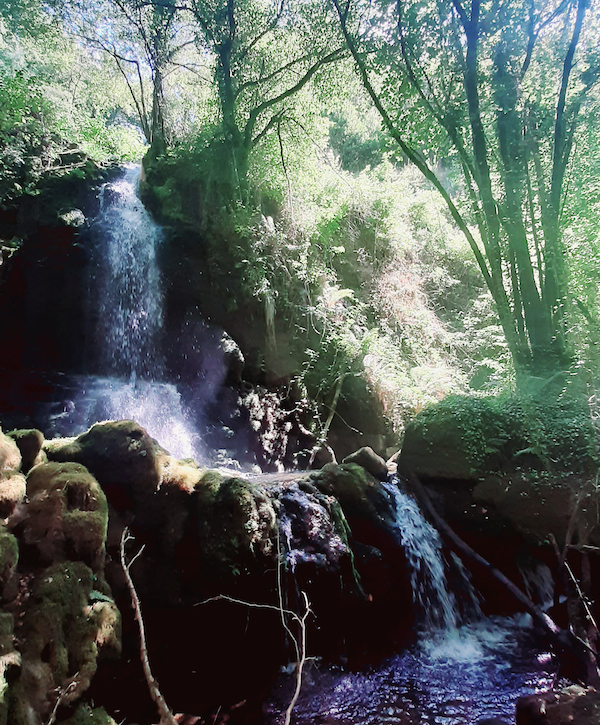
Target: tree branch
[[166, 716]]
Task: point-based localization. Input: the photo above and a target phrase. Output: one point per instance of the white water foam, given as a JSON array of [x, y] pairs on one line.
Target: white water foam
[[437, 603]]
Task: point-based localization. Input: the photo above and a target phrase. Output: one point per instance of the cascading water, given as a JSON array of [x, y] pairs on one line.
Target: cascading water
[[126, 285], [125, 310], [463, 668], [438, 606]]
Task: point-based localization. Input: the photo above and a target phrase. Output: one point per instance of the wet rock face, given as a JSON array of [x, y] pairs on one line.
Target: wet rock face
[[572, 706]]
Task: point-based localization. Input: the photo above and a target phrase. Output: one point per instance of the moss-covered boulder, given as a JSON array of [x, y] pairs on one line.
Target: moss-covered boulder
[[9, 555], [29, 443], [466, 438], [65, 621], [236, 521], [66, 516], [12, 482], [12, 491], [358, 492], [120, 454], [10, 457], [370, 461]]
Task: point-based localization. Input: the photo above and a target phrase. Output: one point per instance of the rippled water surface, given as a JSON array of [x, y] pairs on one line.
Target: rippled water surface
[[448, 678]]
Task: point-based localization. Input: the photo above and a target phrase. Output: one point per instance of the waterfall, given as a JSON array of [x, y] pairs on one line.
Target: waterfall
[[125, 312], [126, 289], [429, 570]]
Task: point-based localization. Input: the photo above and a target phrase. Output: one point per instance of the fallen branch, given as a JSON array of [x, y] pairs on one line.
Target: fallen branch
[[564, 641], [166, 716]]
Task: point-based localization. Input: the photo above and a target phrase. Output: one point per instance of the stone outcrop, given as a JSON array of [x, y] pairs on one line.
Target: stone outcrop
[[205, 533]]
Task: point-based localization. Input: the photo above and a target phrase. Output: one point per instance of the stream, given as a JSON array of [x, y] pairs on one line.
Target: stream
[[455, 677], [463, 668]]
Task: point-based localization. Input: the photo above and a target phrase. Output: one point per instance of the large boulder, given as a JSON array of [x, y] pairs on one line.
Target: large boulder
[[120, 454], [468, 437], [370, 461], [66, 515]]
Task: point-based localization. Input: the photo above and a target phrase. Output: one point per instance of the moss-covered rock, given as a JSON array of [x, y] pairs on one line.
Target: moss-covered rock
[[62, 630], [12, 491], [118, 453], [357, 491], [466, 437], [370, 461], [66, 516], [9, 555], [10, 457], [236, 520], [30, 443]]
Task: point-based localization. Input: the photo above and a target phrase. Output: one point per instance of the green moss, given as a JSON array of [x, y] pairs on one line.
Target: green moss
[[9, 554], [61, 634], [350, 484], [67, 513], [236, 521], [468, 437], [86, 715]]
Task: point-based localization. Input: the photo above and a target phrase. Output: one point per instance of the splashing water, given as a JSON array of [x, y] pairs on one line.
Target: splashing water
[[126, 318], [422, 545], [449, 678], [463, 667], [126, 289]]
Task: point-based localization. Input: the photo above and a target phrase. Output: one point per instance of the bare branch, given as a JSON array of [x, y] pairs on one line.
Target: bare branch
[[269, 103], [166, 716]]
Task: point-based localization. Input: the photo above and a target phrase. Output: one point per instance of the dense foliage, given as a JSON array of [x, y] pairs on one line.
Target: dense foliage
[[295, 170]]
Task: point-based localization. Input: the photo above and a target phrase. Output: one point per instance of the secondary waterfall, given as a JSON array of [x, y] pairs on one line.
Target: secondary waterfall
[[437, 603], [463, 667], [125, 311]]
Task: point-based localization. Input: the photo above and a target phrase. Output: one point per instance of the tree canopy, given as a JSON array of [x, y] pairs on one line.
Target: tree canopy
[[496, 90], [494, 103]]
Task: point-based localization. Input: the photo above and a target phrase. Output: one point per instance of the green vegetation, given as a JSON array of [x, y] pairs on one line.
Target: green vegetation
[[469, 437], [415, 224]]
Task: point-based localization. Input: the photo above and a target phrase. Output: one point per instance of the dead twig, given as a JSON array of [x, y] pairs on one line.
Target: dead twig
[[166, 716], [63, 693], [299, 640]]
